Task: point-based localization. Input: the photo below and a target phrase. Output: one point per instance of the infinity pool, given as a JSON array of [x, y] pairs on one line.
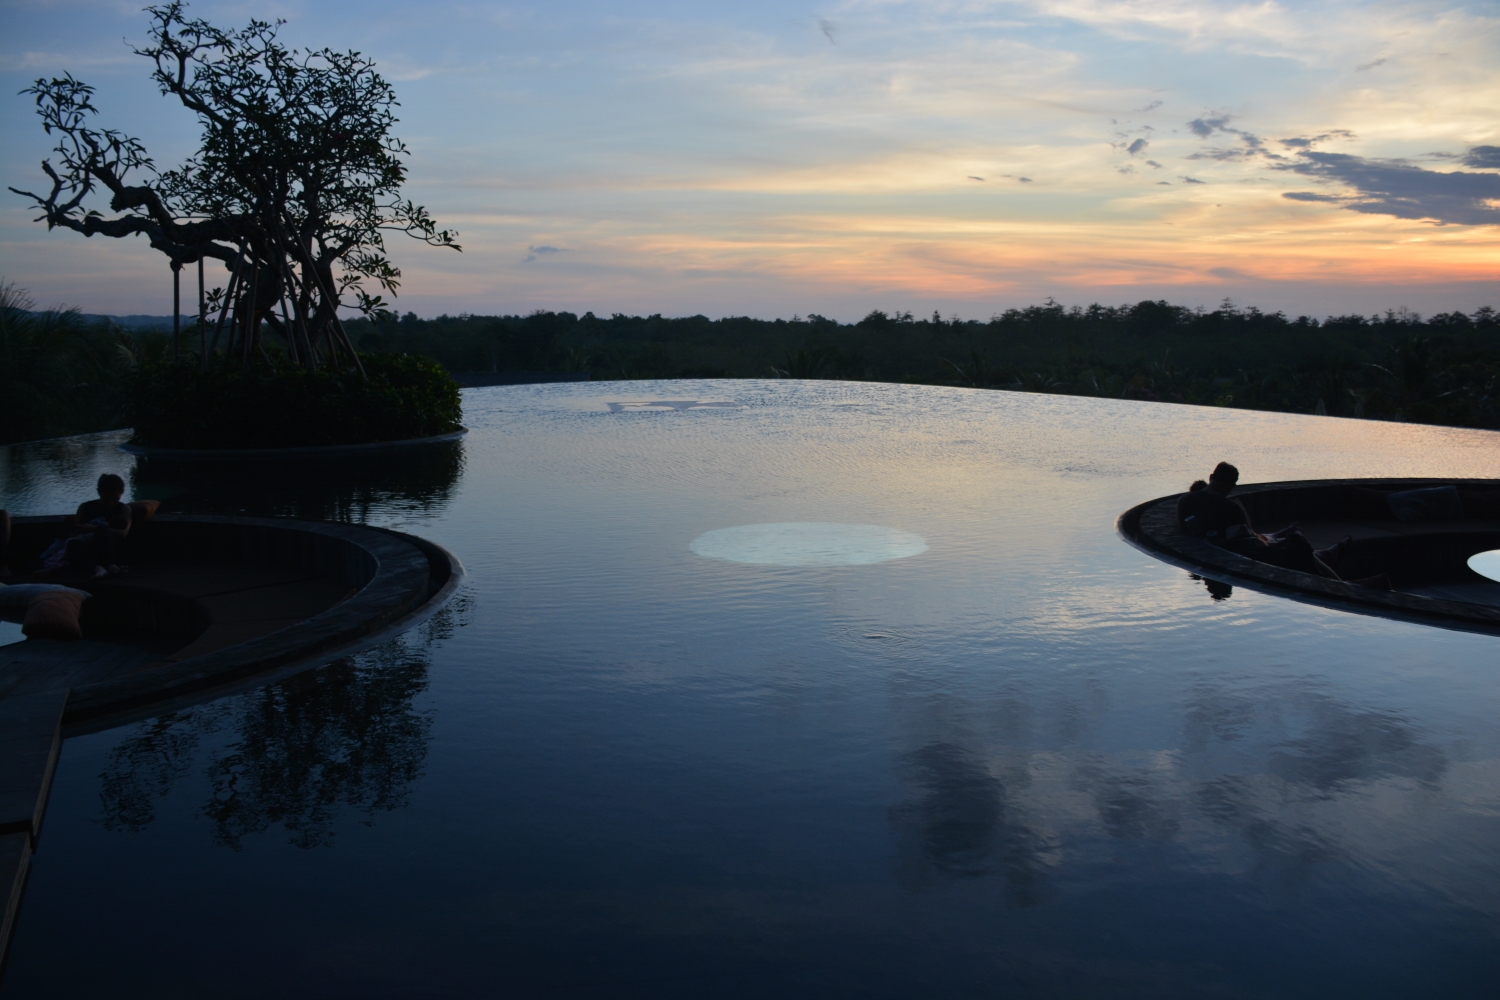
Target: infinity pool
[[787, 688]]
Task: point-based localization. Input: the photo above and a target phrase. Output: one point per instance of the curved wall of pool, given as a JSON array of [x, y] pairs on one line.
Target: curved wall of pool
[[1018, 758]]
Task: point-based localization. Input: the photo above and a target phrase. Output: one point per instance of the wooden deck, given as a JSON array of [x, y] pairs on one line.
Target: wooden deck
[[30, 741], [242, 602], [36, 666]]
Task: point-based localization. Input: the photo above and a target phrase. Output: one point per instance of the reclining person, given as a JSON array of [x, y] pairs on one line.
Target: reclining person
[[98, 529], [1208, 511]]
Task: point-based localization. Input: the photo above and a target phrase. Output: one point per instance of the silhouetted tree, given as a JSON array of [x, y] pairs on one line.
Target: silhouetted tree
[[294, 184]]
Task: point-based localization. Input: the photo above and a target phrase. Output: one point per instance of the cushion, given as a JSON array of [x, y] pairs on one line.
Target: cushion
[[141, 511], [15, 599], [1437, 503], [53, 614]]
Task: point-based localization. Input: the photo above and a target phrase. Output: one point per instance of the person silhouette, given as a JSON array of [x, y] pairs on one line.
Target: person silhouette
[[99, 527], [1208, 511]]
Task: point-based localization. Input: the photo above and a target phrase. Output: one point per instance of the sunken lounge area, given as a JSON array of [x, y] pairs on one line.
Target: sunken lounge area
[[1422, 549], [210, 601]]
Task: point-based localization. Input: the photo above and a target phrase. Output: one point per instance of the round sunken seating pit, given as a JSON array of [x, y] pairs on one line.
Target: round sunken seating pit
[[211, 601], [1426, 561]]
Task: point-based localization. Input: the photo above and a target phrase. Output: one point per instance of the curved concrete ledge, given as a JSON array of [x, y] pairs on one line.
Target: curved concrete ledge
[[314, 451], [1419, 555], [365, 584]]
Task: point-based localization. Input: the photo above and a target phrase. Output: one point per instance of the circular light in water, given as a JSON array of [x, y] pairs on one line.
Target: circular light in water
[[808, 543], [1486, 564]]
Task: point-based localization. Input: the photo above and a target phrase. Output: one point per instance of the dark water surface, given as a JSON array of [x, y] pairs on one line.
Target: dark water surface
[[1027, 761]]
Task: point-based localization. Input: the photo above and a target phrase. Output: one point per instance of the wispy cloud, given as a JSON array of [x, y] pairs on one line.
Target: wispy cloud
[[1195, 21], [58, 62], [1482, 157], [1309, 141], [1251, 145], [535, 253], [1403, 190]]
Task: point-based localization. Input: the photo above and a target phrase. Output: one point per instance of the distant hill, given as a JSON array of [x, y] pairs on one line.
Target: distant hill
[[137, 322], [134, 323]]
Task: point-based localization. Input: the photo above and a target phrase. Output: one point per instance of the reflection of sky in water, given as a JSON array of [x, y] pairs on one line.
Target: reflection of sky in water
[[1031, 760]]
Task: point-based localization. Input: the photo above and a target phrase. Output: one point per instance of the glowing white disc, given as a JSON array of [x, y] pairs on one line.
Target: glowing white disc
[[808, 543], [1486, 564]]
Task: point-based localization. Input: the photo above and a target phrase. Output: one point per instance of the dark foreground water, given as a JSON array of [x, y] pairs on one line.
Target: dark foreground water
[[1026, 760]]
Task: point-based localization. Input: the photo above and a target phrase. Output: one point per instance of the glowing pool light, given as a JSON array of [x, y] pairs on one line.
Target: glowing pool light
[[1486, 564], [808, 543]]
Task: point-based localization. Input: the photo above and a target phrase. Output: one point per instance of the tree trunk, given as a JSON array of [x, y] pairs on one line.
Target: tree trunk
[[176, 312], [252, 317], [202, 322]]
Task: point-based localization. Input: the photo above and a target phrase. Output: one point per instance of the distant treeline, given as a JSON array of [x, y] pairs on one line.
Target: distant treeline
[[1397, 366], [62, 373]]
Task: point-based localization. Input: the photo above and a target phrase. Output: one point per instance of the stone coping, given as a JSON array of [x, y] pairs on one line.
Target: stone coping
[[1153, 528], [312, 451], [401, 580]]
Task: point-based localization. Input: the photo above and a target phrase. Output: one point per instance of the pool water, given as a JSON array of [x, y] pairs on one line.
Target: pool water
[[956, 739]]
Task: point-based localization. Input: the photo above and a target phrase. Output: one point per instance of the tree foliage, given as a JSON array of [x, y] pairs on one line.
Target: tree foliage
[[58, 374], [1397, 366], [295, 183], [278, 405]]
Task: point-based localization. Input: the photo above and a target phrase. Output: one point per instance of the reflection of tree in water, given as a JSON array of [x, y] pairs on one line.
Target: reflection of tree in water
[[144, 767], [1126, 803], [1286, 847], [304, 749], [417, 480], [343, 736], [959, 827], [1299, 764], [1343, 745], [1338, 750], [1330, 745], [29, 468]]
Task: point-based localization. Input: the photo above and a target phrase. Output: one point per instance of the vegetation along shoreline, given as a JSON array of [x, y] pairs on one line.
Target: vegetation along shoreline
[[67, 374]]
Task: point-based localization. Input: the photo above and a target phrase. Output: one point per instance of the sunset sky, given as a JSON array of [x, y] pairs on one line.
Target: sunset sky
[[773, 159]]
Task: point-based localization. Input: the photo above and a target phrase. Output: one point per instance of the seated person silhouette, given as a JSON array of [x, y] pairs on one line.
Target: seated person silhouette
[[1208, 511], [98, 529]]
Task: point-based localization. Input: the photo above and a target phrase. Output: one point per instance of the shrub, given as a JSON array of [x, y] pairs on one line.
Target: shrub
[[58, 374], [281, 405]]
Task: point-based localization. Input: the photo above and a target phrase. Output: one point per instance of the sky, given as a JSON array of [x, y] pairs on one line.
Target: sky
[[778, 159]]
